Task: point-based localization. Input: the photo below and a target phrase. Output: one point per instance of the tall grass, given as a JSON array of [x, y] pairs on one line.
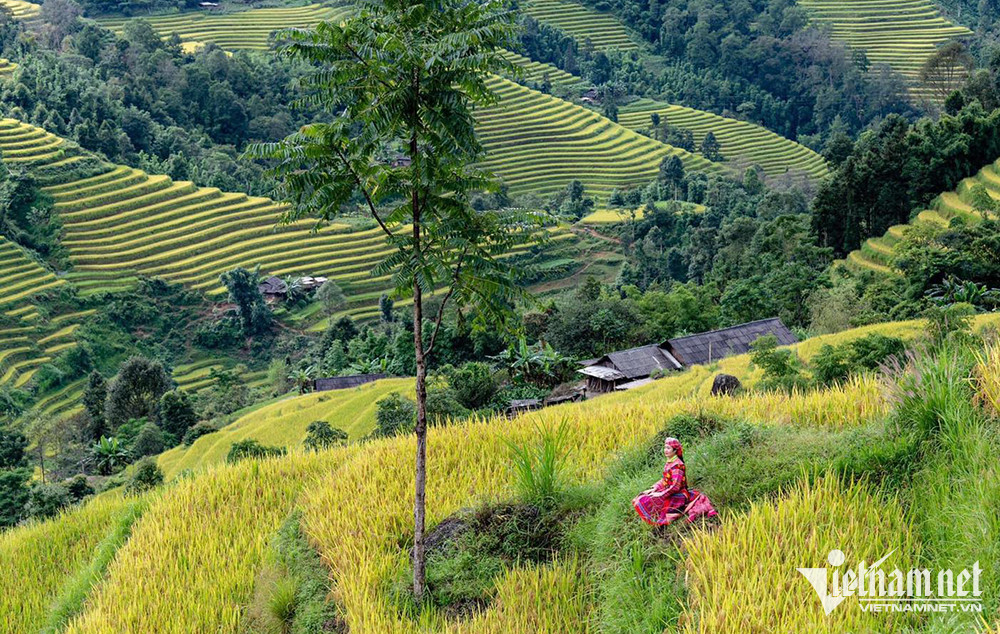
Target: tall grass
[[539, 467], [742, 577], [190, 563], [71, 598], [956, 496], [36, 560]]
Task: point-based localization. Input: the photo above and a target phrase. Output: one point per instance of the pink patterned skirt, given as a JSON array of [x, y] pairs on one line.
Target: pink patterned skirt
[[660, 510]]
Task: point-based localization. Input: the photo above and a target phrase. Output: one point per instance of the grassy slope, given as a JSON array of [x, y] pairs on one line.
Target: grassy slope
[[900, 33], [741, 142], [603, 30], [284, 423], [876, 254], [193, 556]]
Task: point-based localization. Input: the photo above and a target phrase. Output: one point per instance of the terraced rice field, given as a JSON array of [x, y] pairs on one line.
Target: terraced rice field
[[21, 10], [7, 68], [603, 30], [900, 33], [235, 29], [743, 143], [538, 144], [535, 72], [877, 254], [26, 341], [122, 222]]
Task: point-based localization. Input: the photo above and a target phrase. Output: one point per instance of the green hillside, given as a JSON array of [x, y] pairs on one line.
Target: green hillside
[[900, 33], [876, 254], [603, 30], [122, 223], [284, 423], [235, 29], [740, 141], [538, 143]]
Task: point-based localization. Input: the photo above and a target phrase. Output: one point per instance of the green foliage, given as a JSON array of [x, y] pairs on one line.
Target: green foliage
[[255, 315], [320, 435], [147, 476], [136, 390], [538, 468], [243, 449], [780, 367], [94, 397], [395, 414], [177, 413], [46, 500], [835, 363], [949, 323], [474, 384], [78, 488], [898, 167], [331, 297], [108, 455], [14, 494], [198, 430], [148, 442]]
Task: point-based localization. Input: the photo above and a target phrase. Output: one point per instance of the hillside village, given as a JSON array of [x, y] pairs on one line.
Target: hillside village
[[530, 316]]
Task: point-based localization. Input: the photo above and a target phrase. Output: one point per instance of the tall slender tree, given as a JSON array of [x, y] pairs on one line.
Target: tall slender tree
[[403, 75]]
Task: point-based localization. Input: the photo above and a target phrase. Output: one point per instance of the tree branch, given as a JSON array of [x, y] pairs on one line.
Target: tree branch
[[444, 302], [364, 190]]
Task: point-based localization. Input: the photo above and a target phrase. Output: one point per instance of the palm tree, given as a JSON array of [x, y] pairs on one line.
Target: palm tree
[[303, 378], [108, 455]]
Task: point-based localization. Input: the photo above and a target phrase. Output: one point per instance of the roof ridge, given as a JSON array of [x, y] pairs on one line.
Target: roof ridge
[[743, 325]]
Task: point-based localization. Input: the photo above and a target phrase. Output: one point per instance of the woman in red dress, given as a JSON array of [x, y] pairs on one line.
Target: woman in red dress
[[670, 499]]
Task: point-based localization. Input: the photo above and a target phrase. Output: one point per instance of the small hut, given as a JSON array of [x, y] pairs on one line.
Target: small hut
[[274, 289]]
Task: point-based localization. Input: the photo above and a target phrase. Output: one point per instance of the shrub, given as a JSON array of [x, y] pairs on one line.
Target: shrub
[[779, 366], [443, 405], [873, 350], [46, 500], [831, 364], [252, 449], [283, 602], [78, 488], [320, 435], [473, 384], [148, 475], [148, 442], [395, 414], [136, 391], [197, 431], [176, 413]]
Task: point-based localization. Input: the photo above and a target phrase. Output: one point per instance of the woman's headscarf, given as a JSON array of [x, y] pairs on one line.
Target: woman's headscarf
[[676, 444]]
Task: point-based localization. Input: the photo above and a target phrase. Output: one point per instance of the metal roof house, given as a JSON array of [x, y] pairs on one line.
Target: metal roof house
[[616, 369], [630, 368], [709, 347]]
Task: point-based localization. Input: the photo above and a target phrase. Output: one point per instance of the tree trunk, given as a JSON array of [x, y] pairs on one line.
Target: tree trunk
[[421, 430], [419, 500]]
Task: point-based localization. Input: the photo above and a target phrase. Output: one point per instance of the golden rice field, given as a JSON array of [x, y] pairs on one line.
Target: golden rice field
[[900, 33], [191, 561], [122, 223], [602, 30], [22, 10], [877, 254], [284, 424], [538, 144], [235, 29], [837, 517], [742, 144], [38, 558], [27, 340]]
